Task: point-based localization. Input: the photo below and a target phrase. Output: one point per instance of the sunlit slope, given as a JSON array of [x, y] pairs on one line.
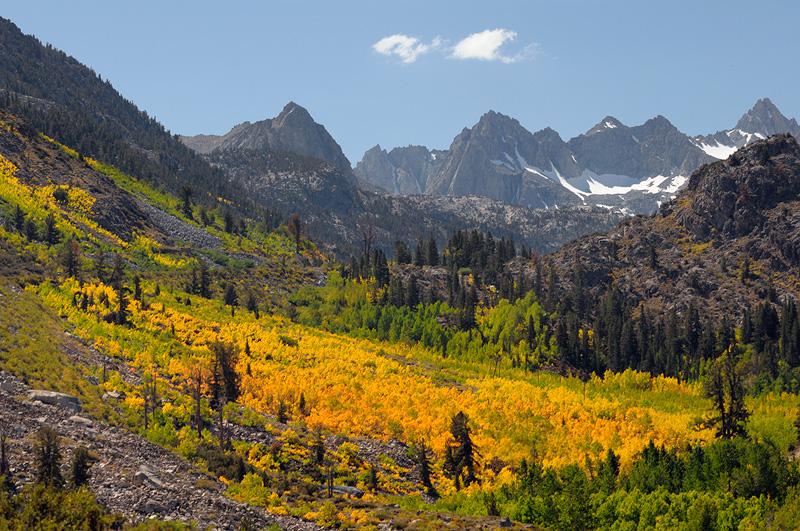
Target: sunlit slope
[[359, 387]]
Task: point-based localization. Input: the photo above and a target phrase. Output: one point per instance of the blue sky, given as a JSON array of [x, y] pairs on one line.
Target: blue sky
[[203, 67]]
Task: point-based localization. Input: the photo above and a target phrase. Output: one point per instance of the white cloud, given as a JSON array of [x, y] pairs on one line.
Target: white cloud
[[407, 48], [484, 45]]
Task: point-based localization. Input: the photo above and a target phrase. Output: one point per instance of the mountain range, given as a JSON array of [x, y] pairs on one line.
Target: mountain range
[[632, 169]]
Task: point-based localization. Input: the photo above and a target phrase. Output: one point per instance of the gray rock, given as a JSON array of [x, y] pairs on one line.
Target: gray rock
[[81, 420], [505, 522], [55, 399], [146, 476], [350, 491]]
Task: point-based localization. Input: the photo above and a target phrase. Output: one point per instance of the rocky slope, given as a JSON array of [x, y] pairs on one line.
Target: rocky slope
[[743, 210], [131, 476]]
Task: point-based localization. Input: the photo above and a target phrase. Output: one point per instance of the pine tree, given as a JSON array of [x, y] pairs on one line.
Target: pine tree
[[420, 452], [401, 255], [419, 253], [432, 252], [122, 302], [204, 282], [231, 298], [186, 194], [411, 292], [725, 387], [19, 219], [70, 258], [224, 375], [230, 225], [79, 467], [31, 231], [48, 458], [99, 265], [51, 235], [464, 454]]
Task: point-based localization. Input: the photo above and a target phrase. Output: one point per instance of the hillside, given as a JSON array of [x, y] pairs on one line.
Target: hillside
[[327, 380], [72, 104], [745, 209]]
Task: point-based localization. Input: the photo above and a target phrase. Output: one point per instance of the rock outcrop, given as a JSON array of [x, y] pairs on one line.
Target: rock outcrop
[[745, 209]]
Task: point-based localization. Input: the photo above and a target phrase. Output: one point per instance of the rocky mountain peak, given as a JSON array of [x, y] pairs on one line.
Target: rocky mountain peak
[[294, 115], [292, 130], [606, 124], [766, 120]]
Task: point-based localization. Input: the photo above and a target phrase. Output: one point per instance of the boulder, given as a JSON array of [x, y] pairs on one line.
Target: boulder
[[146, 476], [56, 399], [350, 491]]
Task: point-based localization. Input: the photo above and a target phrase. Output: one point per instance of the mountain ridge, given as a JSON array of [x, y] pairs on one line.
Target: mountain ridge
[[632, 169]]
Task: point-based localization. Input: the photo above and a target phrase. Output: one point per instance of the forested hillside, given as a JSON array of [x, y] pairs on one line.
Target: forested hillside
[[442, 385]]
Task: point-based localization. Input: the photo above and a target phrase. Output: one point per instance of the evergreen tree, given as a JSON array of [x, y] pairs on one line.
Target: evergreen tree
[[204, 282], [48, 458], [725, 387], [432, 252], [420, 453], [118, 271], [31, 231], [230, 224], [224, 375], [419, 253], [79, 467], [465, 454], [70, 257], [251, 303], [51, 235], [122, 302], [401, 254], [186, 194], [380, 268], [99, 265], [137, 288], [19, 219], [230, 297], [411, 292]]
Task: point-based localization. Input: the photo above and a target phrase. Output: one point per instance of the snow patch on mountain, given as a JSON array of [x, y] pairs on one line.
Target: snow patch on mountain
[[717, 150]]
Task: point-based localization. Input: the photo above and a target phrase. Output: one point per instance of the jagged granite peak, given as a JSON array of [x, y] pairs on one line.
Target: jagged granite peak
[[765, 118], [292, 130], [760, 122], [606, 124], [655, 148], [500, 159], [403, 170], [612, 165]]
